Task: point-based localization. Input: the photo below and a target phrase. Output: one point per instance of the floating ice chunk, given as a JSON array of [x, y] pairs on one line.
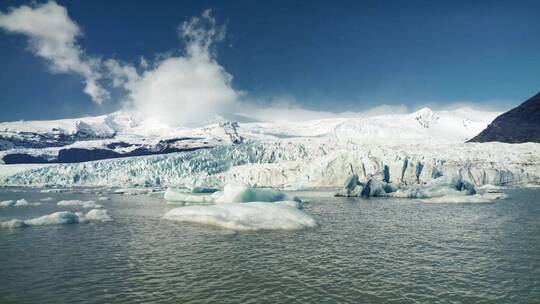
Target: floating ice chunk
[[451, 188], [476, 198], [98, 215], [373, 187], [103, 198], [24, 203], [78, 203], [57, 218], [7, 203], [133, 191], [12, 224], [423, 192], [46, 199], [230, 194], [175, 195], [53, 190], [245, 216], [242, 194], [18, 203]]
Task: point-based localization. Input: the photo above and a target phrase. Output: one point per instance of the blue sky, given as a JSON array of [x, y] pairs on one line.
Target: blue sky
[[325, 55]]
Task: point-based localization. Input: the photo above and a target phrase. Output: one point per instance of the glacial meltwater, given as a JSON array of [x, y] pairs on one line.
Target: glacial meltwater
[[362, 251]]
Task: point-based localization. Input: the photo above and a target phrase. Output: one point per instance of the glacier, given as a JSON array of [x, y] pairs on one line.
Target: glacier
[[298, 164], [412, 149]]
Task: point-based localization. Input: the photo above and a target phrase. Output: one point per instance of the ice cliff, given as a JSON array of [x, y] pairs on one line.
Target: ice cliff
[[299, 164]]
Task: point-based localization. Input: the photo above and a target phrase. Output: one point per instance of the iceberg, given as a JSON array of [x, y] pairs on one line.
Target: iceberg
[[241, 194], [438, 187], [443, 189], [245, 216], [13, 224], [8, 203], [59, 218], [231, 194], [98, 215], [17, 203], [79, 203]]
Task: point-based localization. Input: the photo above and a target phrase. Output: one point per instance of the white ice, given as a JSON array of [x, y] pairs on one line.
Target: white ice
[[245, 216], [59, 218], [17, 203], [477, 198], [133, 191], [231, 194], [98, 215], [54, 190], [416, 147], [79, 203]]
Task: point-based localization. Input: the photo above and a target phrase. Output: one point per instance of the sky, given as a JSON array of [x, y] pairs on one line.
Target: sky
[[319, 55]]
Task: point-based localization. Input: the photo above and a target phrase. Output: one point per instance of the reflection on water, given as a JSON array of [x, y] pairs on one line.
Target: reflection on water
[[364, 251]]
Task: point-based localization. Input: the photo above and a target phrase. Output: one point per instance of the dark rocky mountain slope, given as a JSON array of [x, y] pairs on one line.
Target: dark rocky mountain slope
[[521, 124]]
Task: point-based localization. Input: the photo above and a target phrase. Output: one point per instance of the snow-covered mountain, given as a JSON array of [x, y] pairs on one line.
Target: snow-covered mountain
[[413, 148], [121, 135]]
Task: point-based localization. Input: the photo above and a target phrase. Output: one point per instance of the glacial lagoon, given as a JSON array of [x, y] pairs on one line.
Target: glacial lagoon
[[362, 251]]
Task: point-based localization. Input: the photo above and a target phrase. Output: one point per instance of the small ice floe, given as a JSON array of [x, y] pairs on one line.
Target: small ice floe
[[133, 191], [54, 190], [476, 198], [59, 218], [78, 203], [46, 199], [18, 203], [103, 198], [230, 194], [250, 216], [98, 215]]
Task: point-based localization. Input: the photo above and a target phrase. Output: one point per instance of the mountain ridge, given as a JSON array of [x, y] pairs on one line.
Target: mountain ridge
[[520, 124]]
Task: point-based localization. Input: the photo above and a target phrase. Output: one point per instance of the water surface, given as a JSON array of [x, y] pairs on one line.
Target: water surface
[[364, 251]]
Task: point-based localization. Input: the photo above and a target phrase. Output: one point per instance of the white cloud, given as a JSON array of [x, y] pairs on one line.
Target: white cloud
[[175, 90], [287, 108], [52, 36], [186, 89], [172, 89]]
